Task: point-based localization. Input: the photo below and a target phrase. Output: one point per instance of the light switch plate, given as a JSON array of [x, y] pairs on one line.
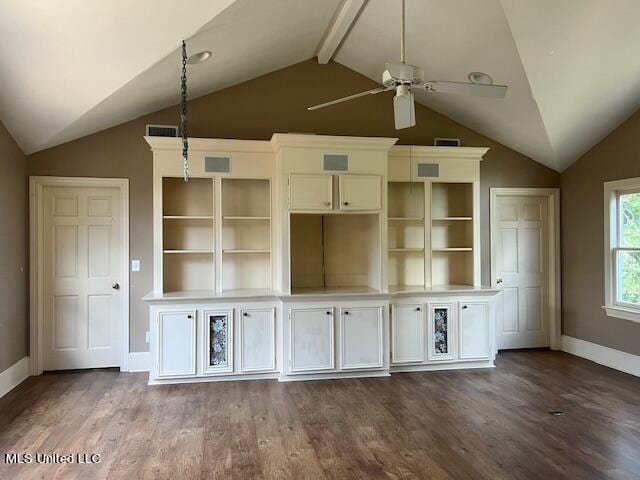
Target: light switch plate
[[135, 265], [147, 336]]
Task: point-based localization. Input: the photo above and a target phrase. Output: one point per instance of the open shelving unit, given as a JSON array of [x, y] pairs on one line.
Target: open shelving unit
[[406, 235], [452, 234], [188, 234], [246, 234]]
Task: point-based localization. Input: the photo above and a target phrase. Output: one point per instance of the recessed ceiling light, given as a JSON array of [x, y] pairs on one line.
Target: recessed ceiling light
[[480, 78], [199, 57]]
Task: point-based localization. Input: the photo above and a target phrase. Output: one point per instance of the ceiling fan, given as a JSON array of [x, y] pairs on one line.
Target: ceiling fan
[[403, 77]]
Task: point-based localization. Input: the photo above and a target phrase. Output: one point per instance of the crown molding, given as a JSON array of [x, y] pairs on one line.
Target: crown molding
[[210, 144], [475, 153], [296, 140]]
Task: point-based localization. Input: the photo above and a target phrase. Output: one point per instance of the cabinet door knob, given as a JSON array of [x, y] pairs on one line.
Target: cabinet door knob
[[328, 313], [464, 307], [346, 203], [189, 316], [418, 309], [346, 312], [245, 314]]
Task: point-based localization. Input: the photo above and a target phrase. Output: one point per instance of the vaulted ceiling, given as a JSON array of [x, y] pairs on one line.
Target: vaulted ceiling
[[70, 68]]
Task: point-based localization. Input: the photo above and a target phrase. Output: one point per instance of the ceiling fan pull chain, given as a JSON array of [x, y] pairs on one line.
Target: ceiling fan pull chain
[[183, 113], [402, 34]]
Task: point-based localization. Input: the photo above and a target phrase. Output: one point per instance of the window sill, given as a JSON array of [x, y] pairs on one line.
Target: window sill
[[622, 312]]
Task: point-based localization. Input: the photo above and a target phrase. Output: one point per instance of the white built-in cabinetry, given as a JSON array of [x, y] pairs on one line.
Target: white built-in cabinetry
[[315, 256]]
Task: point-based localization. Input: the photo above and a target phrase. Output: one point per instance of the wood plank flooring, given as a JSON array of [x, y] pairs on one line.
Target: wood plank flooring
[[469, 424]]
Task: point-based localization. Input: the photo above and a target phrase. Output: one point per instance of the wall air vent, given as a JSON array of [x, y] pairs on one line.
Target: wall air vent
[[335, 163], [430, 170], [162, 131], [447, 142], [217, 164]]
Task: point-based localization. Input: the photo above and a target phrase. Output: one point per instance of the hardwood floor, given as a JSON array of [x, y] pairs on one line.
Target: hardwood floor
[[465, 425]]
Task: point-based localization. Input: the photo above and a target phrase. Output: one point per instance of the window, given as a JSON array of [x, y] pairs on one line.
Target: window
[[622, 249]]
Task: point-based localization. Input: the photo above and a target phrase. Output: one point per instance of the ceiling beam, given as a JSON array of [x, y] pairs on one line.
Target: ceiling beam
[[337, 31]]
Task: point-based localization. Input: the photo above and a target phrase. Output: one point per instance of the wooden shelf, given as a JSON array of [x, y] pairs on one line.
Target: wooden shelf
[[405, 219], [452, 249], [246, 251], [395, 250], [187, 217], [451, 219], [245, 218], [187, 251]]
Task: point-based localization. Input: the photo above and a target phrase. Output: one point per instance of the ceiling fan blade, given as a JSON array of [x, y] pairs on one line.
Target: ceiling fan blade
[[477, 89], [351, 97], [404, 112]]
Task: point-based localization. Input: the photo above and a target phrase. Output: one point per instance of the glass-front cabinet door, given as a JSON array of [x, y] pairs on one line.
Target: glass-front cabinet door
[[217, 342], [441, 331]]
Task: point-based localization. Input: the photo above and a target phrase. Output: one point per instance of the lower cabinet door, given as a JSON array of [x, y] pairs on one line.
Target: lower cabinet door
[[474, 332], [217, 342], [362, 343], [176, 344], [257, 340], [311, 338], [407, 333], [441, 331]]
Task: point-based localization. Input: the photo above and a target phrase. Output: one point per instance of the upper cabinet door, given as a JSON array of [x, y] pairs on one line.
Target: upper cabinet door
[[360, 192], [310, 192]]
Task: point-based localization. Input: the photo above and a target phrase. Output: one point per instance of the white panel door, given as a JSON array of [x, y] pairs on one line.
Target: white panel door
[[441, 332], [311, 337], [82, 269], [176, 338], [216, 340], [407, 333], [310, 192], [522, 263], [474, 331], [257, 339], [361, 338], [360, 192]]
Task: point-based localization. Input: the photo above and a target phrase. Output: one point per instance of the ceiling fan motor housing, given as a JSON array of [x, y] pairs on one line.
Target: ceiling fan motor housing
[[402, 74]]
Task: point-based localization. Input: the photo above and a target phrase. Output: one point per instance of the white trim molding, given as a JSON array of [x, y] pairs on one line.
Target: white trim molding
[[139, 361], [609, 357], [553, 197], [14, 376], [612, 234], [36, 262]]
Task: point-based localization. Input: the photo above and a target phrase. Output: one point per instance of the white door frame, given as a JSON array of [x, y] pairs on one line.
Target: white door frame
[[36, 263], [553, 197]]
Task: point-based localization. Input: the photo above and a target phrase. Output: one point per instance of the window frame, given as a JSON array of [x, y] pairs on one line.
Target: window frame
[[613, 246]]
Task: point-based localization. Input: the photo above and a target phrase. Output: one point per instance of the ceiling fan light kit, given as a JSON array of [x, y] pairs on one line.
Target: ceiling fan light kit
[[403, 77]]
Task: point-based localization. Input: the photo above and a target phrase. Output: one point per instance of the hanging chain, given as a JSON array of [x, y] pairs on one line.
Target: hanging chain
[[183, 112]]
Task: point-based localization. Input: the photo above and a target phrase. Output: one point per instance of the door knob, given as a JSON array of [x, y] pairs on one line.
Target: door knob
[[115, 286], [498, 280]]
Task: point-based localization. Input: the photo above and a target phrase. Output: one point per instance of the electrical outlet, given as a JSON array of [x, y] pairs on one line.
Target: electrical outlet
[[147, 336], [135, 265]]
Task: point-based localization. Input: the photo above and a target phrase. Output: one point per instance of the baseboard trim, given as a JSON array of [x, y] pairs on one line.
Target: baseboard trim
[[609, 357], [14, 376], [139, 361]]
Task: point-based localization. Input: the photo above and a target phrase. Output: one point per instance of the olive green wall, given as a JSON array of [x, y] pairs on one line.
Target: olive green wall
[[13, 252], [614, 158], [255, 110]]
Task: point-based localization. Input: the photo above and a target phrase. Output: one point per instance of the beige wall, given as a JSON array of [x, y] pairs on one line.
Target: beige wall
[[616, 157], [13, 252], [254, 110]]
